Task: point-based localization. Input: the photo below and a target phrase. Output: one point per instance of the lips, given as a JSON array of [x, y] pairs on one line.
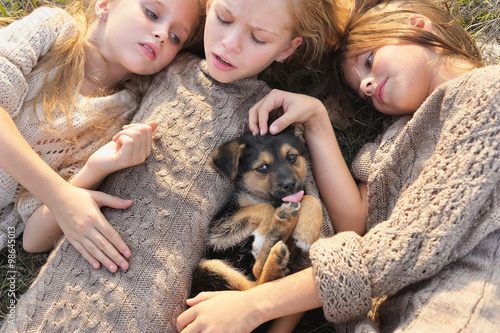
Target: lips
[[379, 91], [221, 63], [150, 50]]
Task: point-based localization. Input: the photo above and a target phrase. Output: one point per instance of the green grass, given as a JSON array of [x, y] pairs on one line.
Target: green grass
[[480, 18]]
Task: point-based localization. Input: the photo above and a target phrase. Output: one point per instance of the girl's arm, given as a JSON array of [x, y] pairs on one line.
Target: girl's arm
[[75, 210], [129, 147], [344, 200], [242, 311]]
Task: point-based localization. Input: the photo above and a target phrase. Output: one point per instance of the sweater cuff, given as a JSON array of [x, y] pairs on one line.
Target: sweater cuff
[[341, 277]]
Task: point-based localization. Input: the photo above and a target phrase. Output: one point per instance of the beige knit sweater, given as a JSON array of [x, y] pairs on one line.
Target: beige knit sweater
[[433, 240], [175, 194], [22, 43]]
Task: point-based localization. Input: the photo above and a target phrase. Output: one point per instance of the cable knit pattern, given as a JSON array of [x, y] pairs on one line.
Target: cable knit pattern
[[22, 43], [175, 194], [433, 218]]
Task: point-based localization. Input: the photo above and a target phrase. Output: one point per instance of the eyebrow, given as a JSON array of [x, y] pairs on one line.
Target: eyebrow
[[254, 27]]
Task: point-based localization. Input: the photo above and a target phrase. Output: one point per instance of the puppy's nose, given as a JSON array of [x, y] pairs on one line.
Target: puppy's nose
[[288, 185]]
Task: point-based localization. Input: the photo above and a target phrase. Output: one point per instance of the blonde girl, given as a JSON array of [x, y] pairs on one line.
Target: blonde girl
[[428, 187], [69, 81]]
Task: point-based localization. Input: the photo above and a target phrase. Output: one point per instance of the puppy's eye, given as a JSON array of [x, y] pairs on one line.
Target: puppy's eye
[[262, 168], [292, 157]]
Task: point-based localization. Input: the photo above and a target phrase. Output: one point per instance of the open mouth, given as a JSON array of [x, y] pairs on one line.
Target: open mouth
[[224, 61], [148, 50]]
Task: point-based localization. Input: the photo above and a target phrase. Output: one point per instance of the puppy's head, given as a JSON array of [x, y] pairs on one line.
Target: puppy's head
[[268, 167]]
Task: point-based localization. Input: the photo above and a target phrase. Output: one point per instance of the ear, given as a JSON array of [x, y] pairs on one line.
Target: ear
[[292, 46], [101, 7], [419, 21], [226, 158], [298, 131], [208, 6]]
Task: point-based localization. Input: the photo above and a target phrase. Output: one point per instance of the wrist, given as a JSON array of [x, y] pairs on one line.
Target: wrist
[[87, 178]]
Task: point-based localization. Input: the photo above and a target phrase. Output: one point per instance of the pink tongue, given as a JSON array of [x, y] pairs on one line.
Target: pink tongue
[[296, 197]]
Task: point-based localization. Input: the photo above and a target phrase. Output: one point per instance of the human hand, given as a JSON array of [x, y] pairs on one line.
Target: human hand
[[224, 311], [129, 147], [297, 108], [84, 226]]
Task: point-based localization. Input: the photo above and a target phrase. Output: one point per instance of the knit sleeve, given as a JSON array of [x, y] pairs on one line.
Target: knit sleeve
[[451, 206], [22, 43]]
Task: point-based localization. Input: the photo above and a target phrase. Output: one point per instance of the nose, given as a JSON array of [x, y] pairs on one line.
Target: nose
[[367, 86], [288, 185], [159, 34], [232, 41], [160, 37]]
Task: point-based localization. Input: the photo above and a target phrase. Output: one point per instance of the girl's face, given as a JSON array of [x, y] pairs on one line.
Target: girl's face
[[396, 78], [244, 37], [142, 36]]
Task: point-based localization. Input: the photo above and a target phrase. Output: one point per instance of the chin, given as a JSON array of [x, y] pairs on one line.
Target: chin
[[219, 76]]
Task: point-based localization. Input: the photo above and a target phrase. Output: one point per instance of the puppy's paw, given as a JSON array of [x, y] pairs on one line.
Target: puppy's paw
[[276, 265], [288, 211], [281, 255]]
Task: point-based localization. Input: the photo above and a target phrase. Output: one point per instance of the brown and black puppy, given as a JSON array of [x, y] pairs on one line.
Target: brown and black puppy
[[251, 239]]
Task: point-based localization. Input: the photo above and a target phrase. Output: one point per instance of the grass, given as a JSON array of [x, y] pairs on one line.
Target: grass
[[480, 17]]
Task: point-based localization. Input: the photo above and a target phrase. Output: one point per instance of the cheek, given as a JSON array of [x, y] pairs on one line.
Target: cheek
[[258, 184]]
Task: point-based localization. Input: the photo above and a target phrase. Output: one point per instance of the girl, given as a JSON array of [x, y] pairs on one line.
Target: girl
[[198, 105], [429, 260], [70, 80]]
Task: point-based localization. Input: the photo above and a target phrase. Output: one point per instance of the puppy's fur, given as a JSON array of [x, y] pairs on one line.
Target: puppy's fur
[[256, 228]]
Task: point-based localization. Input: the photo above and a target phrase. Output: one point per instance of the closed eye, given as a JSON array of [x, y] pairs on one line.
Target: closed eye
[[258, 41], [221, 20]]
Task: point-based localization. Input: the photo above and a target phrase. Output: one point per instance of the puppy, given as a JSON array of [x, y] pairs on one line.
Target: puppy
[[252, 238]]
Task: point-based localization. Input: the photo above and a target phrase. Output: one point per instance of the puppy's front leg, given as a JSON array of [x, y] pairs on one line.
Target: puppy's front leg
[[282, 225], [308, 227], [232, 229]]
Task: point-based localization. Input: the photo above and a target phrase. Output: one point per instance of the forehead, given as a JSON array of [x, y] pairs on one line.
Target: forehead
[[268, 15]]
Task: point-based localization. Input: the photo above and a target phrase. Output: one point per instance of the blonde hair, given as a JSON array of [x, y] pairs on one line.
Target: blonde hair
[[319, 23], [66, 59], [373, 24]]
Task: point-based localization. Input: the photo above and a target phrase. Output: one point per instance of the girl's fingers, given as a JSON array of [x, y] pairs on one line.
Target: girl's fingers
[[86, 255], [104, 199], [95, 247], [203, 296]]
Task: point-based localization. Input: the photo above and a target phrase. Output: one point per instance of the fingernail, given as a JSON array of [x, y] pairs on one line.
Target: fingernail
[[126, 253], [123, 266], [273, 129], [112, 268]]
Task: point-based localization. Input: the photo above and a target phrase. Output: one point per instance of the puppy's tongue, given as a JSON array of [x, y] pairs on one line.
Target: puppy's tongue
[[296, 197]]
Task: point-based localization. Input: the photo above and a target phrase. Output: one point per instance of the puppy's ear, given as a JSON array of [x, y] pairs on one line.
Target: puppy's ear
[[298, 130], [227, 157]]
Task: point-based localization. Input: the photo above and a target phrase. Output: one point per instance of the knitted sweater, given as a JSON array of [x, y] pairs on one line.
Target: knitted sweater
[[433, 240], [22, 43], [175, 194]]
